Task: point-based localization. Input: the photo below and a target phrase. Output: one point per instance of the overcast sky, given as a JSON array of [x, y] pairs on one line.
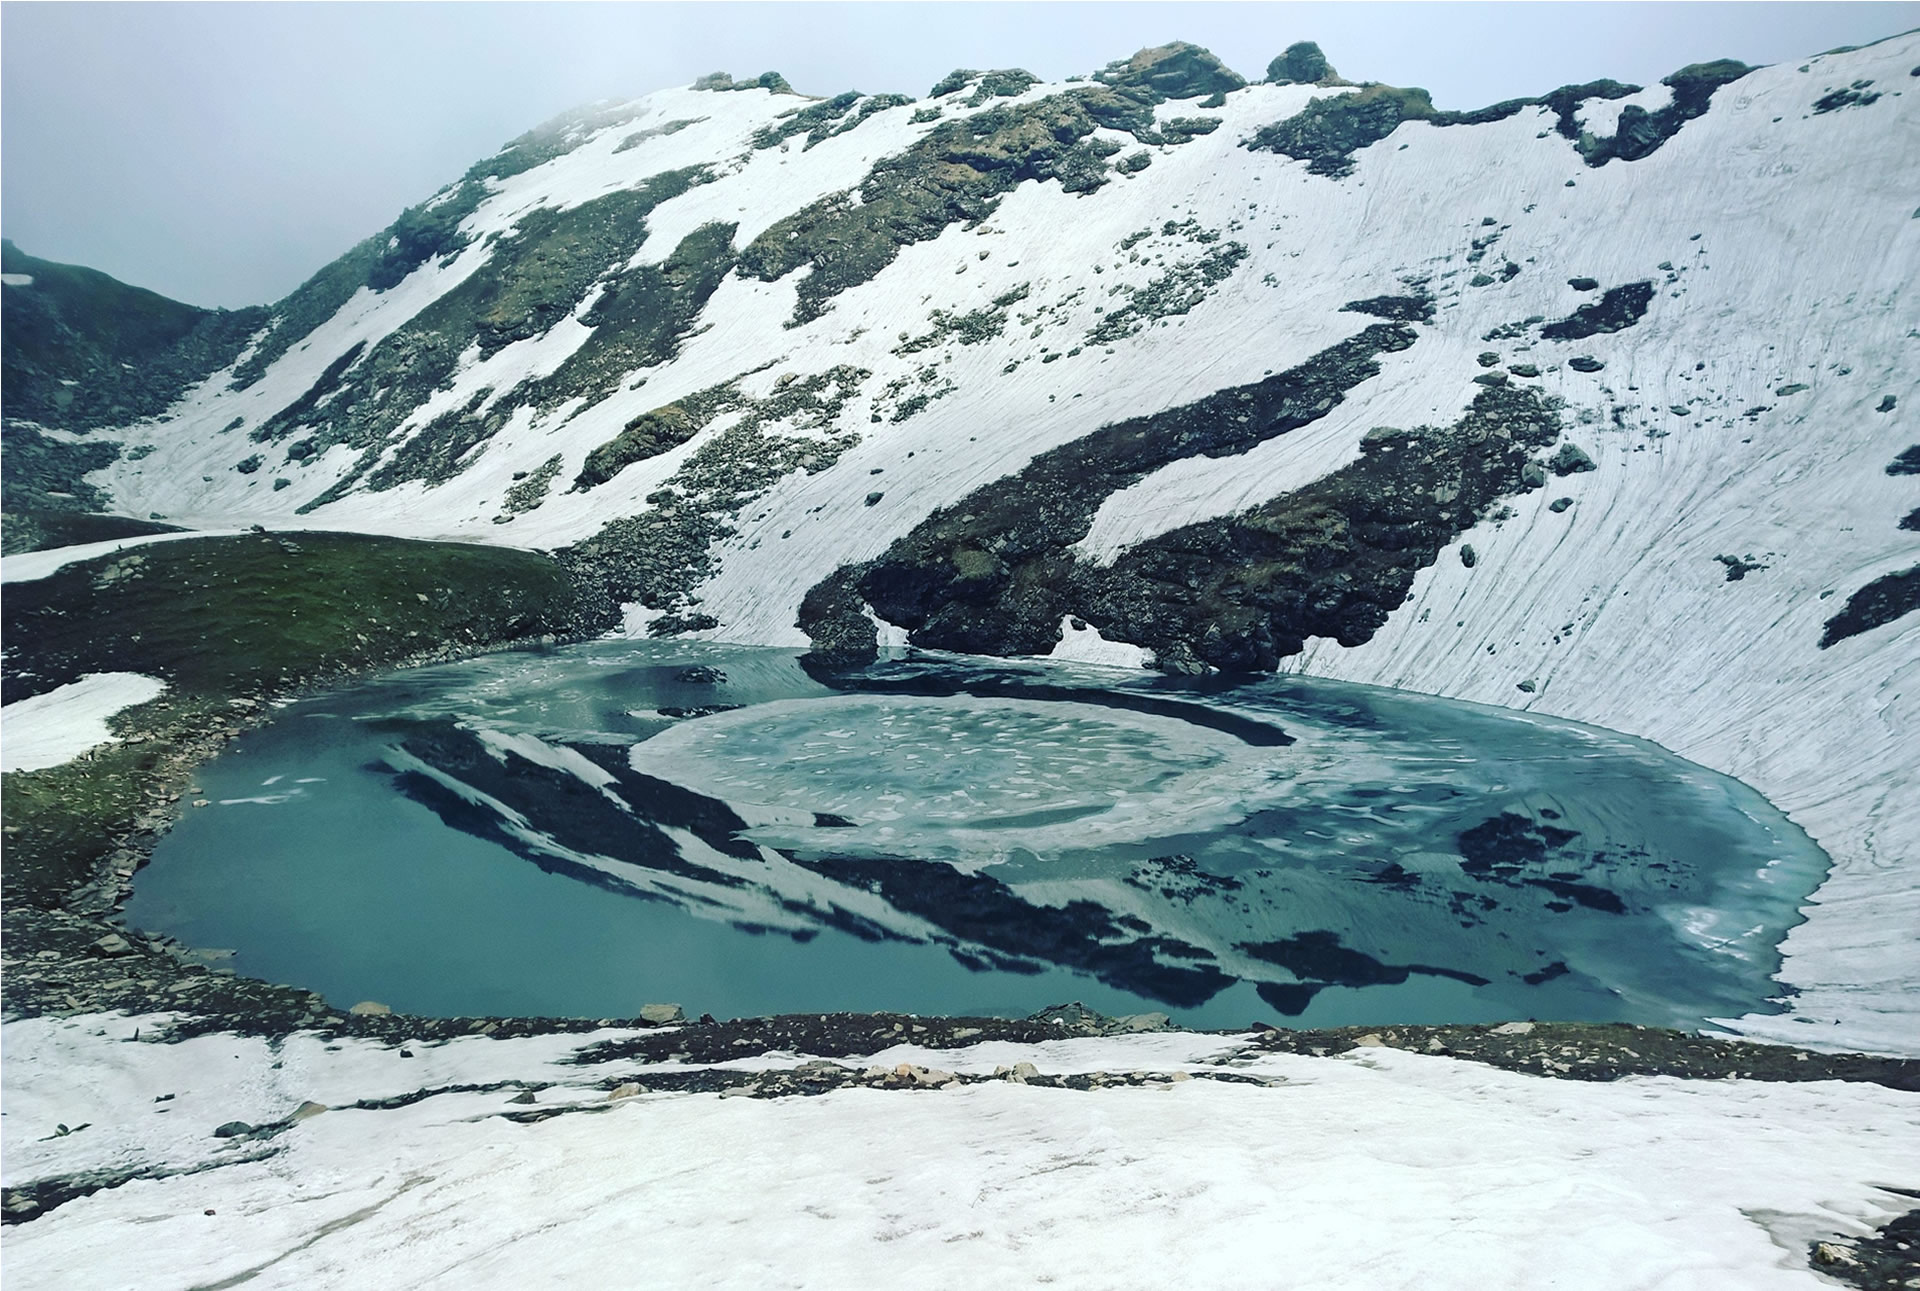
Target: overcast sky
[[221, 153]]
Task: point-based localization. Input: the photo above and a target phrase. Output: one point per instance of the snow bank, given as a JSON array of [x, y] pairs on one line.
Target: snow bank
[[1377, 1168], [57, 727], [33, 565]]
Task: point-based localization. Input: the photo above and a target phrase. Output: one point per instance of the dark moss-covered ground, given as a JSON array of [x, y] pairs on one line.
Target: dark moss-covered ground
[[80, 350]]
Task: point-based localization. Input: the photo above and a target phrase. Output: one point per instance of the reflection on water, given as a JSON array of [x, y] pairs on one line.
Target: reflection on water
[[582, 831]]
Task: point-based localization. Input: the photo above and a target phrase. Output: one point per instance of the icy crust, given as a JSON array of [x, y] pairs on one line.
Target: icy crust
[[1393, 1168], [47, 730]]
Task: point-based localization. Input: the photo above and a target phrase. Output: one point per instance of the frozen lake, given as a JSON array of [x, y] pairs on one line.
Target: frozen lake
[[582, 831]]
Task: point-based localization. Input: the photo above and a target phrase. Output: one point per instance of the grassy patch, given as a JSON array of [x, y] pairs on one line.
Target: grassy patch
[[62, 822], [221, 617], [224, 620]]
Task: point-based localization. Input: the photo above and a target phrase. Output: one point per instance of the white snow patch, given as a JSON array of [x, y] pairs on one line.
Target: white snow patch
[[1086, 645], [32, 565], [57, 727]]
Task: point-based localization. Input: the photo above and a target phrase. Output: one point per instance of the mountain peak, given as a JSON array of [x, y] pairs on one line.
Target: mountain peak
[[1176, 70], [1302, 63]]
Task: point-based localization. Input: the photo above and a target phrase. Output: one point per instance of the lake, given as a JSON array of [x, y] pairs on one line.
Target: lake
[[584, 830]]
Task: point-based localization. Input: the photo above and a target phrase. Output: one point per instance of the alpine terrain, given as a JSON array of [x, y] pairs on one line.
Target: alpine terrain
[[1598, 405]]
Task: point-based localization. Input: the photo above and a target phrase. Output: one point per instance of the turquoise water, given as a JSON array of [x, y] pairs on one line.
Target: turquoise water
[[582, 831]]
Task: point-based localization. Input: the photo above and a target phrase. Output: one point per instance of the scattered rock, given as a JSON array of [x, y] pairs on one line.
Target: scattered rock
[[1571, 460], [113, 944], [1585, 363], [1559, 504], [1468, 556], [370, 1009], [661, 1014]]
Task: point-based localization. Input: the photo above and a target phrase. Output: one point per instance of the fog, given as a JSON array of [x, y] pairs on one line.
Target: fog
[[221, 153]]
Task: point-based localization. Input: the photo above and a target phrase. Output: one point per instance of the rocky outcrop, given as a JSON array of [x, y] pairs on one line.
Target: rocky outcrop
[[1302, 63]]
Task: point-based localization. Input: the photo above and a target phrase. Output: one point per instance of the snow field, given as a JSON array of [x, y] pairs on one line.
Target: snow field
[[1376, 1168]]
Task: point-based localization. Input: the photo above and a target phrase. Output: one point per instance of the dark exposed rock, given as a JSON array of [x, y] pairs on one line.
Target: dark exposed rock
[[992, 574], [953, 82], [1468, 556], [639, 137], [1617, 309], [1175, 71], [1327, 132], [1003, 83], [1640, 133], [1583, 284], [957, 172], [1887, 403], [657, 558], [1571, 460], [1176, 291], [1585, 363], [1738, 567], [833, 614], [1301, 63], [1559, 504], [1879, 603], [1911, 520], [1856, 95], [1907, 463], [772, 82], [1401, 309], [992, 569], [1888, 1257]]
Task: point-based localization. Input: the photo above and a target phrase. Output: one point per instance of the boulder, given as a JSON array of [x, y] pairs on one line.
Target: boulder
[[1301, 64], [661, 1014], [1175, 71]]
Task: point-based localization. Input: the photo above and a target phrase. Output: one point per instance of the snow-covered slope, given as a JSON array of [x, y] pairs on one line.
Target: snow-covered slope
[[1193, 1160], [726, 355]]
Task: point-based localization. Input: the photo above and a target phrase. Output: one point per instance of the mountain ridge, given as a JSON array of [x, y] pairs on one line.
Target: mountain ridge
[[733, 358]]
